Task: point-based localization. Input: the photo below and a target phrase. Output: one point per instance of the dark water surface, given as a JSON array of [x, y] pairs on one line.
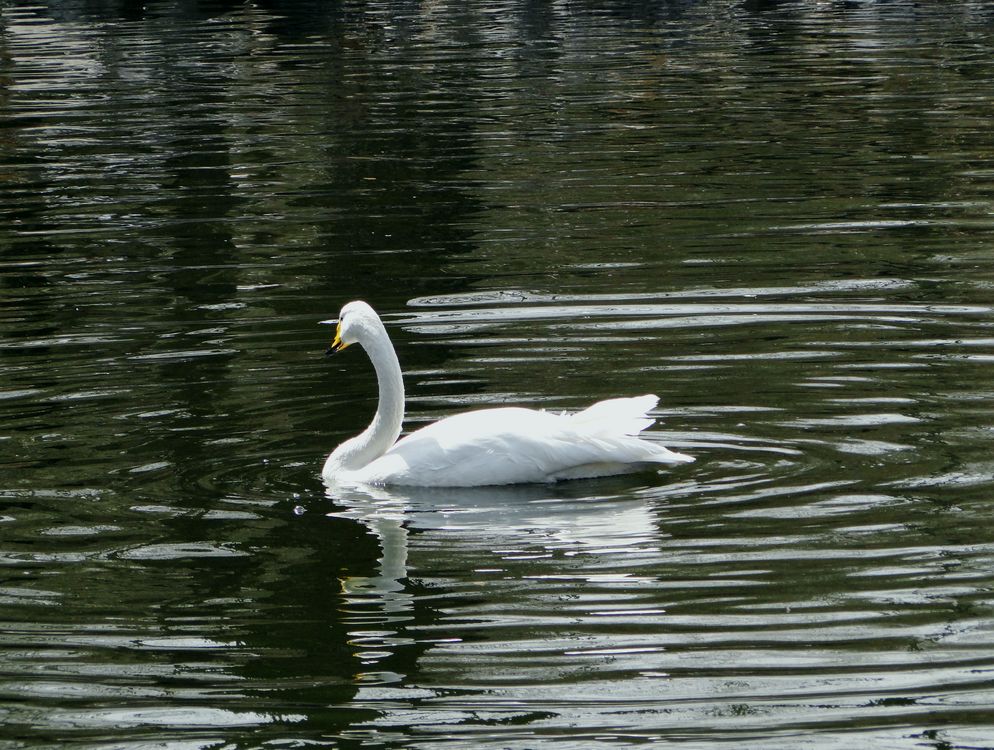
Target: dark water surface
[[778, 216]]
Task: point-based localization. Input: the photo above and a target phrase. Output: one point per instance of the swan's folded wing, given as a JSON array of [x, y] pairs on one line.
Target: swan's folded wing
[[506, 446]]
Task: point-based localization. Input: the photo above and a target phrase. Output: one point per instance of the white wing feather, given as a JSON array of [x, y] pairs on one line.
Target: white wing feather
[[512, 445]]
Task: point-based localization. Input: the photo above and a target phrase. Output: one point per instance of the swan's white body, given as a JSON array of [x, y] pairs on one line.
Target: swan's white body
[[508, 445]]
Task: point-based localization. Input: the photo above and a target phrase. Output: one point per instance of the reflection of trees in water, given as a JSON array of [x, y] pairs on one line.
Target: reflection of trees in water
[[202, 163]]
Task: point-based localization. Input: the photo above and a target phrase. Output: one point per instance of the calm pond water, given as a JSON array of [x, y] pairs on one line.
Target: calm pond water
[[778, 216]]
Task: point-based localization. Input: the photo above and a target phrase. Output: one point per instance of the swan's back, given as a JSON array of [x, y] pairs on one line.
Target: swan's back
[[513, 445]]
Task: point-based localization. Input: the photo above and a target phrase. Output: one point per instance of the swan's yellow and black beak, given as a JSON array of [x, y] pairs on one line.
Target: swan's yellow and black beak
[[337, 345]]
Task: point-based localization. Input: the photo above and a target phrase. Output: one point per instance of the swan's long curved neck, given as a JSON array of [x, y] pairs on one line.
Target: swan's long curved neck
[[384, 430]]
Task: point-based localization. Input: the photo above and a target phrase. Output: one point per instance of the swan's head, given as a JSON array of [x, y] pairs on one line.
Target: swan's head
[[357, 322]]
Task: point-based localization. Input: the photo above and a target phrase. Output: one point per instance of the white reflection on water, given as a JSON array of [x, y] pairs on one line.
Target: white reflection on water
[[518, 522], [675, 314]]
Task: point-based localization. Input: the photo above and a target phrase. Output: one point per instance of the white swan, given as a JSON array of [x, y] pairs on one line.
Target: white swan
[[485, 447]]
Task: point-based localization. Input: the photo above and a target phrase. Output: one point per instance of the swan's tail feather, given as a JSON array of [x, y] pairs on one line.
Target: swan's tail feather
[[624, 416], [617, 422]]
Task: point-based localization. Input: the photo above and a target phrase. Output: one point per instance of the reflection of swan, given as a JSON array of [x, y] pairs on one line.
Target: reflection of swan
[[488, 446], [539, 518], [475, 528], [513, 515]]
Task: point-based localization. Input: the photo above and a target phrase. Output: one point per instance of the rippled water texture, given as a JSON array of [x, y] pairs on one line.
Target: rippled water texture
[[778, 216]]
